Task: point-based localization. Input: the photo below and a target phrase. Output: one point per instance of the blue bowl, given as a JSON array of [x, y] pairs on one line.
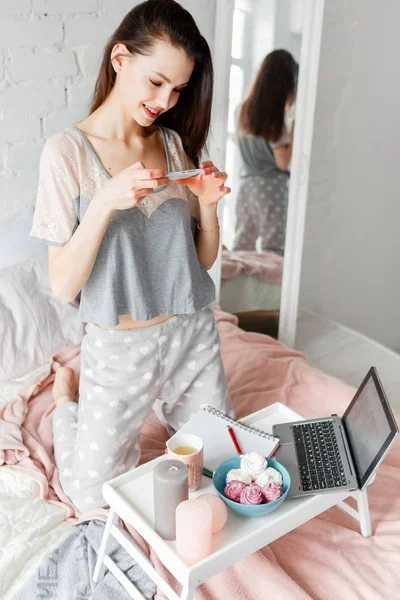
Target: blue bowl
[[249, 510]]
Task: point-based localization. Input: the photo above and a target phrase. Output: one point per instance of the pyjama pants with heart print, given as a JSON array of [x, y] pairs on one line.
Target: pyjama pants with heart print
[[174, 367]]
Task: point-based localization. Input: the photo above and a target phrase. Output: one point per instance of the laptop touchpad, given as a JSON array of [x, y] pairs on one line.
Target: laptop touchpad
[[286, 454]]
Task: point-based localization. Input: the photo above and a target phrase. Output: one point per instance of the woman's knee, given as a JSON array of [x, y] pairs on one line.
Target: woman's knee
[[84, 494]]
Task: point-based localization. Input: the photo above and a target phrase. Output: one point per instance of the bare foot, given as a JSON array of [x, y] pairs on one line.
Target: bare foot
[[65, 387]]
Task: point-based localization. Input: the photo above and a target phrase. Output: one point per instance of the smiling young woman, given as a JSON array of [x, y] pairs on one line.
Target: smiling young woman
[[136, 246]]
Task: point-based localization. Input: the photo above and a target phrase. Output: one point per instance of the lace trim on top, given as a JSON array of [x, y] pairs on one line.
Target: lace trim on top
[[69, 169]]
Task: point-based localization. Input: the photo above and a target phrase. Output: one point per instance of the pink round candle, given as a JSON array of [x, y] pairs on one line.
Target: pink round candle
[[193, 530], [219, 511]]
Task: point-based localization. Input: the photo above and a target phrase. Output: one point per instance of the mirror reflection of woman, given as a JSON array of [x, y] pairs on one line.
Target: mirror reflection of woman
[[137, 246], [265, 136]]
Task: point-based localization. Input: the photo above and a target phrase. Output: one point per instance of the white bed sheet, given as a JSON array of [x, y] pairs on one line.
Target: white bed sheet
[[248, 293], [29, 526]]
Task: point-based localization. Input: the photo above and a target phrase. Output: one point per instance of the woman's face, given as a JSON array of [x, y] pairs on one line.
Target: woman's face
[[150, 85]]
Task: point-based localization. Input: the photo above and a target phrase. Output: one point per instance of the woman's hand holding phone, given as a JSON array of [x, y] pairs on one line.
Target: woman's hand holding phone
[[130, 186], [208, 185]]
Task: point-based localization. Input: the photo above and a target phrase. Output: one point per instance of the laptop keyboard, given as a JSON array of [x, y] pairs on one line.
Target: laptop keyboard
[[320, 465]]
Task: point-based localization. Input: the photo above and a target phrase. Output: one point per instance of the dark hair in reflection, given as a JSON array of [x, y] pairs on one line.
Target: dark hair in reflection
[[166, 20], [262, 112]]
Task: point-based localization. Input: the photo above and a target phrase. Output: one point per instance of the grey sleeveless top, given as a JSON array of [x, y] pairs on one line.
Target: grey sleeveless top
[[147, 265]]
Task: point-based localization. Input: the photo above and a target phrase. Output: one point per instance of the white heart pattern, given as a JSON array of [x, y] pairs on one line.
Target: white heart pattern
[[185, 323], [100, 366], [89, 397], [176, 344], [92, 474], [184, 385], [209, 326], [89, 372], [76, 483], [73, 425], [109, 460], [163, 339], [201, 347], [60, 438], [98, 389], [215, 347], [131, 368], [81, 455], [143, 397], [111, 431], [147, 376], [89, 500], [84, 427], [94, 446], [114, 357], [191, 365], [127, 340], [98, 343], [72, 407], [58, 422], [128, 414], [65, 455], [113, 403], [198, 384], [144, 350], [98, 415], [67, 472]]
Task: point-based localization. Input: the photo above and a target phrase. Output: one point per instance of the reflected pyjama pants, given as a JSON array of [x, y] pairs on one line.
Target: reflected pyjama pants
[[261, 210], [174, 367]]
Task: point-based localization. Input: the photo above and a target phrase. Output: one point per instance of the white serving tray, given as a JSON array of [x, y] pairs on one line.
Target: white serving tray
[[131, 496]]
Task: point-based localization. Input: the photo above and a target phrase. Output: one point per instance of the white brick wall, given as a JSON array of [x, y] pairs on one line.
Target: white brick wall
[[50, 51]]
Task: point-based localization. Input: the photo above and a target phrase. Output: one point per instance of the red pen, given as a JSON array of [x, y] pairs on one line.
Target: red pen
[[234, 440]]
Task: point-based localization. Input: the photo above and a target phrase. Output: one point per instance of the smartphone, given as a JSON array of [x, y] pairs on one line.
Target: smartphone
[[183, 174]]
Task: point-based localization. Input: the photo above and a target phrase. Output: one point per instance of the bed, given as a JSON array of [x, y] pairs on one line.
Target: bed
[[250, 281], [324, 559]]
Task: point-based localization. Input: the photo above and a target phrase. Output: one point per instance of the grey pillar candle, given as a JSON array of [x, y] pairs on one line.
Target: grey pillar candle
[[171, 487]]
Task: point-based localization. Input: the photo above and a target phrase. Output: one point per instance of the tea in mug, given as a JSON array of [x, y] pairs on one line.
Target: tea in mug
[[184, 450]]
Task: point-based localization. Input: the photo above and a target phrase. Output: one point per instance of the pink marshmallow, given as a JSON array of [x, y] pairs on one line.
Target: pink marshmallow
[[251, 494], [272, 492], [233, 490]]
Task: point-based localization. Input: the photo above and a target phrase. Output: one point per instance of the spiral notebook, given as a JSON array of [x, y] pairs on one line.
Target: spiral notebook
[[211, 425]]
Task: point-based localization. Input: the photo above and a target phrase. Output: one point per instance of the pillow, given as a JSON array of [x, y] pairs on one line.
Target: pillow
[[16, 245], [34, 324]]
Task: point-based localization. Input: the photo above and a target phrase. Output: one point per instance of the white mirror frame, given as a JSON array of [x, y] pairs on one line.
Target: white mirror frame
[[300, 169], [299, 177]]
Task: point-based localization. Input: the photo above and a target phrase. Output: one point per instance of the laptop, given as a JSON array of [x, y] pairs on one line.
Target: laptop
[[336, 454]]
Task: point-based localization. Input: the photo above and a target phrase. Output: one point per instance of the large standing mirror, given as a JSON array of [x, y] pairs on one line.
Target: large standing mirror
[[264, 67]]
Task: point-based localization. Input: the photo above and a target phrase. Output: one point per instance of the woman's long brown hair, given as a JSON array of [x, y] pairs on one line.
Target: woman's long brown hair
[[166, 20], [262, 112]]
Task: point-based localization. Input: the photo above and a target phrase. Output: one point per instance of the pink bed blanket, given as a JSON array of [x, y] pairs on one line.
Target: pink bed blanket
[[324, 559], [267, 266]]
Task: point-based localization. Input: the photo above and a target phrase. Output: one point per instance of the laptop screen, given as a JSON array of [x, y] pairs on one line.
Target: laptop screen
[[370, 426]]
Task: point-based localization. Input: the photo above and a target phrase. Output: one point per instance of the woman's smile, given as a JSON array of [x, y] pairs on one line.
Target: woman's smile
[[150, 112]]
